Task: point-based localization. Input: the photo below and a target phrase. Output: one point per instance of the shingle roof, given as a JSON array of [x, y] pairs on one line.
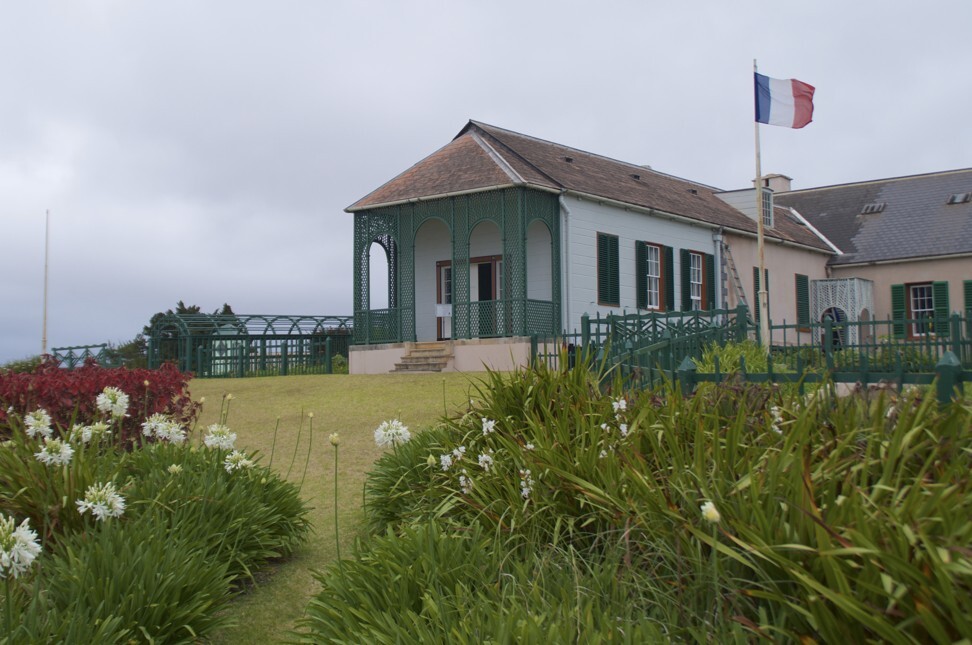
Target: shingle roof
[[890, 219], [482, 157]]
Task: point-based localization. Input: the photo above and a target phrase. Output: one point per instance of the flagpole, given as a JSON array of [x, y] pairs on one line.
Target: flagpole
[[763, 295], [47, 229]]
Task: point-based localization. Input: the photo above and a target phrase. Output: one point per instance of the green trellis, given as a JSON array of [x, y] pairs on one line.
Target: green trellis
[[246, 344], [513, 210]]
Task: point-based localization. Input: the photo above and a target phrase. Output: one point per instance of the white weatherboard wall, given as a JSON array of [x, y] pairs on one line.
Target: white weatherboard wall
[[588, 218]]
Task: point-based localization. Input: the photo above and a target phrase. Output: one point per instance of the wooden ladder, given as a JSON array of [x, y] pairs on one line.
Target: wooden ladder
[[737, 283]]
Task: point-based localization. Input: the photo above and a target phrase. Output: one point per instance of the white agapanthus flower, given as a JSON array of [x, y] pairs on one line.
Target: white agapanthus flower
[[163, 428], [219, 436], [530, 446], [489, 425], [446, 461], [465, 483], [526, 484], [174, 469], [55, 452], [619, 405], [624, 429], [710, 513], [155, 423], [486, 460], [457, 453], [236, 460], [38, 423], [112, 401], [86, 434], [391, 433], [103, 501], [19, 547]]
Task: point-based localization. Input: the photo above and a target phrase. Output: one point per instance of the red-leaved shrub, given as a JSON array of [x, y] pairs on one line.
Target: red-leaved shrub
[[69, 395]]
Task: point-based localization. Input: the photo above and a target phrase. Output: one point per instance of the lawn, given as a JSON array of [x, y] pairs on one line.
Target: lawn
[[349, 405]]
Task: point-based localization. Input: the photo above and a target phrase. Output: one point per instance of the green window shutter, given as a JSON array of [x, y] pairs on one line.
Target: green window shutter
[[710, 282], [608, 289], [898, 311], [669, 270], [940, 300], [641, 275], [967, 286], [686, 266], [802, 299]]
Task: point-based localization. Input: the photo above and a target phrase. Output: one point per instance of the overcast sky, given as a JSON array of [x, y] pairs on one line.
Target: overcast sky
[[205, 150]]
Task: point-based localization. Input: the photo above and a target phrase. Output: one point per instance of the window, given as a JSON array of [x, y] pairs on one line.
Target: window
[[698, 280], [802, 284], [653, 276], [654, 279], [695, 280], [922, 304], [608, 279], [919, 309], [767, 195]]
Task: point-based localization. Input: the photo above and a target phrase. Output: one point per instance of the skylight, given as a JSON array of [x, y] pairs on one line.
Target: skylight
[[960, 198], [873, 207]]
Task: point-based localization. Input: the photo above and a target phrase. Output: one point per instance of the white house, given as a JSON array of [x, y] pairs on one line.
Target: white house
[[499, 236]]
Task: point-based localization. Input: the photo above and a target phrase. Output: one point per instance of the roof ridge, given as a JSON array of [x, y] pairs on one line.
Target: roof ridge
[[498, 158], [924, 175], [532, 165], [485, 126]]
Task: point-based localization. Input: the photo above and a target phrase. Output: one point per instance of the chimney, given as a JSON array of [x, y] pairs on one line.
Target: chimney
[[777, 183]]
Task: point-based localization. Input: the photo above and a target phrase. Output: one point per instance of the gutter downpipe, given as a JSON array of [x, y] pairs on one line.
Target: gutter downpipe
[[565, 261], [717, 243]]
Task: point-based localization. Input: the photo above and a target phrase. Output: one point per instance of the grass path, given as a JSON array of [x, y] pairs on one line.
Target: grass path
[[349, 405]]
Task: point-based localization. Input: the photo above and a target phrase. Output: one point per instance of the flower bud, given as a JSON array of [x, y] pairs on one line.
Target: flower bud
[[335, 439], [430, 462]]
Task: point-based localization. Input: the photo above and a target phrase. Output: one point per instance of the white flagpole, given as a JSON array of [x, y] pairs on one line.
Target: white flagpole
[[763, 295], [47, 229]]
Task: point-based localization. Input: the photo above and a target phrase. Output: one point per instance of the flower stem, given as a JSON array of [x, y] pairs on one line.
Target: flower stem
[[9, 603], [337, 538]]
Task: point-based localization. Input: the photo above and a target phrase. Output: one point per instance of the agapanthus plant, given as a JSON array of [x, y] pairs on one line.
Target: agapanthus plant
[[38, 423], [237, 460], [220, 437], [55, 452], [162, 427], [113, 402], [391, 433], [19, 547], [103, 501]]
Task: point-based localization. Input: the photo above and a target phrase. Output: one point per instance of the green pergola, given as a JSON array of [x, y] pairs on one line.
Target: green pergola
[[244, 344], [396, 228]]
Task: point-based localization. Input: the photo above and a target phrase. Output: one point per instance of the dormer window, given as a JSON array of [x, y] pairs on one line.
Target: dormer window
[[767, 195]]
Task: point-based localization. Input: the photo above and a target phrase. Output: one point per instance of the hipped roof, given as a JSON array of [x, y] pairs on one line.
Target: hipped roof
[[484, 157], [891, 219]]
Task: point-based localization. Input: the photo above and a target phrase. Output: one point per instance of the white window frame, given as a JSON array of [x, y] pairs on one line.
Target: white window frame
[[695, 280], [654, 276], [921, 305]]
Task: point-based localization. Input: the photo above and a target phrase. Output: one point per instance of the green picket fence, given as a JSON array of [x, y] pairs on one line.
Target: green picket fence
[[649, 349]]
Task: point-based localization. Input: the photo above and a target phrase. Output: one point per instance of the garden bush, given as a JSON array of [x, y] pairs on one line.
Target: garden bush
[[142, 540], [69, 396], [776, 516]]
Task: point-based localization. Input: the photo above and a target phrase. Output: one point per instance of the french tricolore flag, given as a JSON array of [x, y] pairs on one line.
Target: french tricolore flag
[[783, 102]]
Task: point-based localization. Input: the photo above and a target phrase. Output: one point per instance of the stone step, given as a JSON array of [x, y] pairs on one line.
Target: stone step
[[425, 357]]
